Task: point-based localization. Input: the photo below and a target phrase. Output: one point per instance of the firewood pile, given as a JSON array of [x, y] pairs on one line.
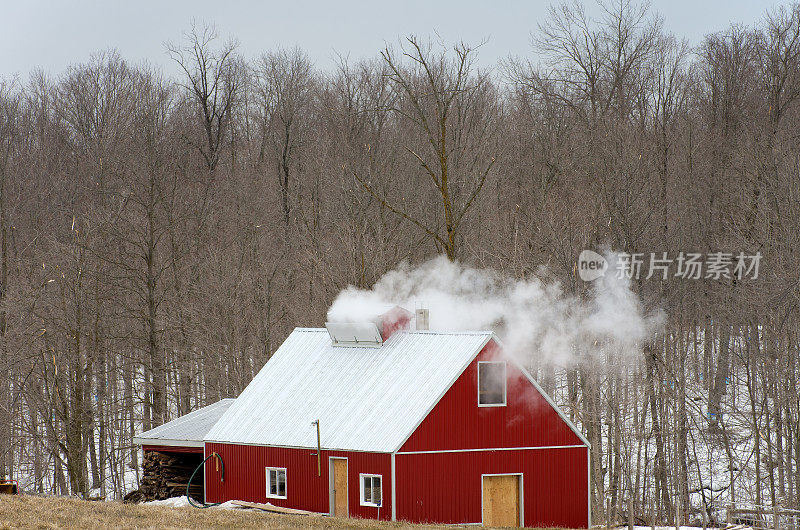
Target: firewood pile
[[166, 475]]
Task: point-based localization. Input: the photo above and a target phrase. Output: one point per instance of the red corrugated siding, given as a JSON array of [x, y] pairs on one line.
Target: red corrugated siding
[[457, 422], [446, 487], [245, 477]]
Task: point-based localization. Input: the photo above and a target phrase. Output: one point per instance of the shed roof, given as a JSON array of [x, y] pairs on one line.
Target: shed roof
[[187, 430], [366, 399]]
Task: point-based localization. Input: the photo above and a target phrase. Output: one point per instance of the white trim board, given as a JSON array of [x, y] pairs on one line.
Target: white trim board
[[485, 449], [394, 488], [309, 448], [589, 486], [166, 442]]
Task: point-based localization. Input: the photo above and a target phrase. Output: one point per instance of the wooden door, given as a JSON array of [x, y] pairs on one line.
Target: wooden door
[[501, 500], [340, 508]]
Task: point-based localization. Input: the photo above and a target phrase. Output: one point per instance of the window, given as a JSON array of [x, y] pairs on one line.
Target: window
[[276, 482], [491, 384], [371, 492]]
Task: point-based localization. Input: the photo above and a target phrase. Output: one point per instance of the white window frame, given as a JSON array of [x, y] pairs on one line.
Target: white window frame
[[361, 478], [505, 384], [285, 483]]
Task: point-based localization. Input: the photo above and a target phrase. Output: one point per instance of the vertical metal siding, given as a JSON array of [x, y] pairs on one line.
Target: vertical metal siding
[[446, 488], [245, 477], [456, 422]]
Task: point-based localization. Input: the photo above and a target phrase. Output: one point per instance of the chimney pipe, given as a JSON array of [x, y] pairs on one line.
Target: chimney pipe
[[423, 319]]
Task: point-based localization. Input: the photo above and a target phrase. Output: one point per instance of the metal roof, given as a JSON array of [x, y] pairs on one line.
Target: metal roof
[[367, 399], [187, 430]]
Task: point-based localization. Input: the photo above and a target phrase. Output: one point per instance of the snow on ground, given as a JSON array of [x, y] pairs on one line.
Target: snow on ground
[[174, 502], [130, 480], [673, 528], [181, 502], [228, 505]]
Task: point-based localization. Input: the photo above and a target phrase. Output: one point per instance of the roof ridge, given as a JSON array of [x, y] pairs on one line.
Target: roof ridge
[[416, 331]]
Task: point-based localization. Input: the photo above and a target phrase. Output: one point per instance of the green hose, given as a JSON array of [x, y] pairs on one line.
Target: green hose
[[205, 504]]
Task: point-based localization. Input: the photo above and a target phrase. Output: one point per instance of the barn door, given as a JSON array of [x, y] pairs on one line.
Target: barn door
[[501, 497], [339, 487]]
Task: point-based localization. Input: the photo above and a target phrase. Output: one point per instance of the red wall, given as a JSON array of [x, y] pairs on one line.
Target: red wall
[[446, 487], [245, 477], [438, 487], [457, 422]]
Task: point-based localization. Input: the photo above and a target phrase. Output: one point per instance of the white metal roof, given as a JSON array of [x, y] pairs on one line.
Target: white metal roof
[[187, 430], [367, 399]]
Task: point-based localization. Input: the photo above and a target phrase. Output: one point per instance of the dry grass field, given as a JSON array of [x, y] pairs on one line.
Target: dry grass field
[[61, 512]]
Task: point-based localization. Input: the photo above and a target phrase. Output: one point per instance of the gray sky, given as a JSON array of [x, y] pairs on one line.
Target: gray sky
[[55, 34]]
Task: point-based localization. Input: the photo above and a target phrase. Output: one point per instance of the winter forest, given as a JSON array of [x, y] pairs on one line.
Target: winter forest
[[161, 236]]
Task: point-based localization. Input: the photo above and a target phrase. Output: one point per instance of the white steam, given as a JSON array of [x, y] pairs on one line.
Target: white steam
[[536, 321]]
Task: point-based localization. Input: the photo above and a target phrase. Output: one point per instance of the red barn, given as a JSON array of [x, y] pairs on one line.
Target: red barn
[[420, 426]]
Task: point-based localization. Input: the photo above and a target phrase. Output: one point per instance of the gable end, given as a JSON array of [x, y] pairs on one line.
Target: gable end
[[528, 418]]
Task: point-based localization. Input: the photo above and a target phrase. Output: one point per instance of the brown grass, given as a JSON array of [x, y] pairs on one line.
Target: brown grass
[[25, 511]]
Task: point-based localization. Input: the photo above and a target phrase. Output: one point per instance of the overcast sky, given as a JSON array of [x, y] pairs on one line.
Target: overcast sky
[[55, 34]]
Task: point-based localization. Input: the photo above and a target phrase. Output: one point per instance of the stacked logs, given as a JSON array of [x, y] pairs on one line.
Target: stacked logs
[[166, 475]]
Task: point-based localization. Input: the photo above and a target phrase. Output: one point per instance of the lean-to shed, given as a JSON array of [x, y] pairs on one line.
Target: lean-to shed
[[172, 451]]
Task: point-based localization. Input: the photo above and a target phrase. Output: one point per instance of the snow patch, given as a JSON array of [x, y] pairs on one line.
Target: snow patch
[[173, 502], [229, 505], [674, 527], [182, 502]]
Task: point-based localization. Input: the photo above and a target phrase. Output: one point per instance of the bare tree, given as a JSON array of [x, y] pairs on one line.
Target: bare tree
[[10, 118], [285, 91], [449, 110], [212, 84]]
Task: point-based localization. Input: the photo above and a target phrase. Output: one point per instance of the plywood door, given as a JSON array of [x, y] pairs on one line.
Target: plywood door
[[501, 500], [340, 508]]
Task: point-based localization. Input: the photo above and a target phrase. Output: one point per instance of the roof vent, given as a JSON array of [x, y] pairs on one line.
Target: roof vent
[[355, 334], [423, 319], [371, 326]]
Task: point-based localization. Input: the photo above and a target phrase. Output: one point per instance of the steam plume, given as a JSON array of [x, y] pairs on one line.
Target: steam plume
[[535, 320]]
